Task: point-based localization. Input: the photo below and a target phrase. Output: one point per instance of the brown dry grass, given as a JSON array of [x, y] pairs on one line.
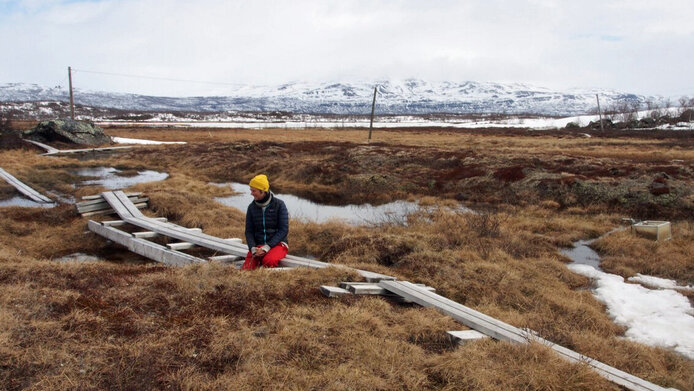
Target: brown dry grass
[[123, 324], [336, 166], [627, 254]]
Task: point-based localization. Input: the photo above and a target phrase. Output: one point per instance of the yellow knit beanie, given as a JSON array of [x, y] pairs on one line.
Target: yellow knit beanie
[[260, 182]]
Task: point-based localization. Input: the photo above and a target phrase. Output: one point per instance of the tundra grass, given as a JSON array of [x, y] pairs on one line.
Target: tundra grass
[[125, 323]]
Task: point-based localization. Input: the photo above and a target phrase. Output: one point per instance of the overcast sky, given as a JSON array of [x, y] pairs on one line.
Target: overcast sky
[[639, 46]]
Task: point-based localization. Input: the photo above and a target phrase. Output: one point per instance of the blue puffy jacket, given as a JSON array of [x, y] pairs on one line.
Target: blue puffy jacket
[[269, 226]]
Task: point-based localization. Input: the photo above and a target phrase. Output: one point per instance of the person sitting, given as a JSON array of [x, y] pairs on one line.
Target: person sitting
[[267, 226]]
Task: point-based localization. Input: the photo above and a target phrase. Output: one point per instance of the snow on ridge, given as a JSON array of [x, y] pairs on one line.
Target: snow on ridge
[[408, 96]]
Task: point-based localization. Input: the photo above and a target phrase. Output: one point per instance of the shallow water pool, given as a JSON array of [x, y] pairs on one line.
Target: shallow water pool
[[108, 177], [301, 208]]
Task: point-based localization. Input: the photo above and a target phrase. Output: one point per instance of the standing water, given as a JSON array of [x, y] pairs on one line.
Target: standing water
[[108, 177], [582, 254], [304, 209]]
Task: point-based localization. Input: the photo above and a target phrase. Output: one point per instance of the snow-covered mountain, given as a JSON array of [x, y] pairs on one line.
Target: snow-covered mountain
[[394, 97]]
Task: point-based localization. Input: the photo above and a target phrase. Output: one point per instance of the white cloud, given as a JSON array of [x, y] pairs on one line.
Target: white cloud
[[636, 46]]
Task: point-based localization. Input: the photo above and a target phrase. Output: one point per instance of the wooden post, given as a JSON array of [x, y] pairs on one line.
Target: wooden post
[[373, 108], [602, 128], [72, 102]]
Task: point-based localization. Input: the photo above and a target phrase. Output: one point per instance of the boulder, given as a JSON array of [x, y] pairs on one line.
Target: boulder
[[607, 124], [687, 116], [68, 130], [647, 122]]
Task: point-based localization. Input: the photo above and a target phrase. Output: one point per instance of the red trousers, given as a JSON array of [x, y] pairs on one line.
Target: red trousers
[[270, 259]]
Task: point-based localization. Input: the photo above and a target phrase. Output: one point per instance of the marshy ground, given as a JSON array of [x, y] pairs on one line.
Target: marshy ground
[[126, 323]]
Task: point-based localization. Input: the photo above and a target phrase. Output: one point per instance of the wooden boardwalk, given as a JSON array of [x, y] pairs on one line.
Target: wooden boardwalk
[[50, 151], [384, 285], [96, 205], [505, 332], [129, 213], [24, 189]]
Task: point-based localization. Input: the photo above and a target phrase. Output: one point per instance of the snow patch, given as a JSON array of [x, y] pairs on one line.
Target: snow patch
[[654, 317], [123, 140], [656, 282]]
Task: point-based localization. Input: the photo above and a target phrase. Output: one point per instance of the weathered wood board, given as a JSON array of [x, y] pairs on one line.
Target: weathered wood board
[[143, 247], [23, 188], [506, 332]]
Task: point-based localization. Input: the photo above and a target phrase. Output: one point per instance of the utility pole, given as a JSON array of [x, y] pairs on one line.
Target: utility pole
[[72, 101], [373, 108], [602, 128]]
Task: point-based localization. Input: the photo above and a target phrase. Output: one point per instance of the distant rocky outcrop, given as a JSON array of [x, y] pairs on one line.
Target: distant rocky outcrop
[[68, 130]]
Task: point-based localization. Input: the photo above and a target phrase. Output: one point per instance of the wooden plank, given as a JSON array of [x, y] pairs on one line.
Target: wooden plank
[[49, 150], [465, 336], [125, 201], [503, 331], [54, 151], [294, 261], [333, 291], [99, 197], [108, 211], [103, 205], [101, 201], [372, 288], [23, 188], [145, 235], [87, 150], [117, 205], [225, 258], [92, 199], [113, 223], [143, 247], [180, 246]]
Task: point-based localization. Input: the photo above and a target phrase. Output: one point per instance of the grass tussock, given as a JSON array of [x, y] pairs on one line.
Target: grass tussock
[[125, 323], [628, 254]]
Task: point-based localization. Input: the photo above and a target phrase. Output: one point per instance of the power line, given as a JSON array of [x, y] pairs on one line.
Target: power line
[[156, 78]]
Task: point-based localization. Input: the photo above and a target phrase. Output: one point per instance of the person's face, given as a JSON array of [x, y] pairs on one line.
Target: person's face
[[257, 194]]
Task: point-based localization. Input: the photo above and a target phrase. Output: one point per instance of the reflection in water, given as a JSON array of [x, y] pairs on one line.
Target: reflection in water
[[25, 203], [300, 208], [109, 178]]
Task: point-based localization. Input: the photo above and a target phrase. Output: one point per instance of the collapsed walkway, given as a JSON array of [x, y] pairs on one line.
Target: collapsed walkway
[[405, 291], [169, 254], [24, 189]]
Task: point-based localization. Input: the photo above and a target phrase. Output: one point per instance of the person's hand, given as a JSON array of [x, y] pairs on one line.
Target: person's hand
[[259, 252]]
